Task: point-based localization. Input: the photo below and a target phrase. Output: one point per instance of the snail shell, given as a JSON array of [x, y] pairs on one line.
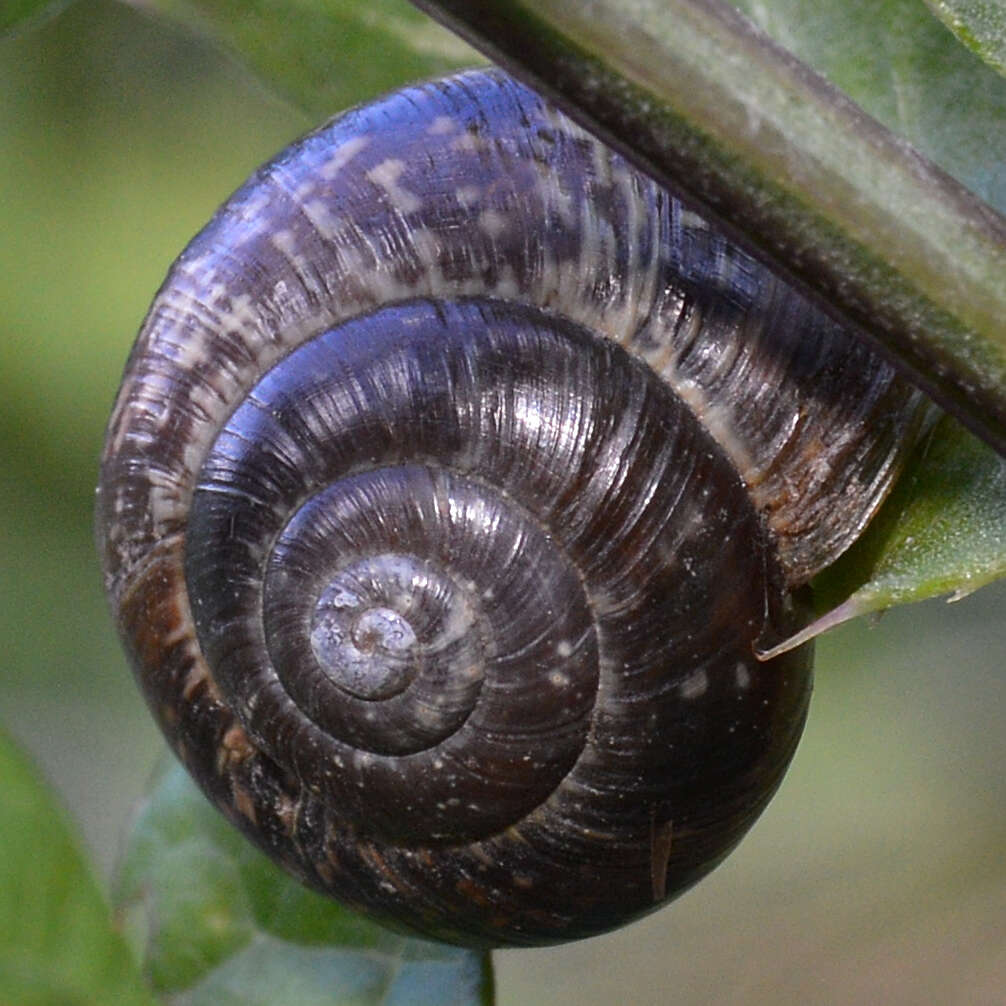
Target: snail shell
[[456, 474]]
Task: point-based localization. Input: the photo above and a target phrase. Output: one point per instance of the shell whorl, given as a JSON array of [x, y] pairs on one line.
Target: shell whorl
[[455, 473]]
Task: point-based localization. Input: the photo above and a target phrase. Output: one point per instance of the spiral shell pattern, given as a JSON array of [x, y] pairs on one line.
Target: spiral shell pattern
[[445, 501]]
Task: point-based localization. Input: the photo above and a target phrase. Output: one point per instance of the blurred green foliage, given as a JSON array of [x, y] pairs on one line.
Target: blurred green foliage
[[899, 63], [57, 944], [325, 55], [877, 873], [979, 24], [197, 885]]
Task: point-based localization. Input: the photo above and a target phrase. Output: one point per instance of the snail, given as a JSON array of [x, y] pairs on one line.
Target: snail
[[457, 477]]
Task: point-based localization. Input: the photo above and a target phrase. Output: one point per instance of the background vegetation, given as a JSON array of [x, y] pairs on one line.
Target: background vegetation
[[877, 873]]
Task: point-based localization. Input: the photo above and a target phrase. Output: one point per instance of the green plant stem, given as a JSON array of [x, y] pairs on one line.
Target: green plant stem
[[702, 100]]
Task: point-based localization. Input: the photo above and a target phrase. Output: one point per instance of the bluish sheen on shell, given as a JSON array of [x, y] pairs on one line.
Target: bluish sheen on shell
[[456, 474]]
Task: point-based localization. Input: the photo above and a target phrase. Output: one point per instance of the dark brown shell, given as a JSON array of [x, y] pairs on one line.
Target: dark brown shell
[[455, 475]]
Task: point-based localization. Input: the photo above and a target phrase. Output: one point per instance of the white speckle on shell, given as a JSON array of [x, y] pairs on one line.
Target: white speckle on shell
[[467, 195], [324, 221], [163, 501], [469, 143], [241, 315], [558, 200], [442, 125], [386, 175], [342, 155], [559, 122], [506, 283], [693, 220], [601, 160], [492, 223], [286, 243], [742, 675], [695, 685], [427, 245]]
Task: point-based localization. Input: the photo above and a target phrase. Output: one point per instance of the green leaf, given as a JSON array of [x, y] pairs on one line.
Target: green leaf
[[222, 924], [893, 59], [979, 24], [325, 55], [22, 14], [942, 531], [57, 943]]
